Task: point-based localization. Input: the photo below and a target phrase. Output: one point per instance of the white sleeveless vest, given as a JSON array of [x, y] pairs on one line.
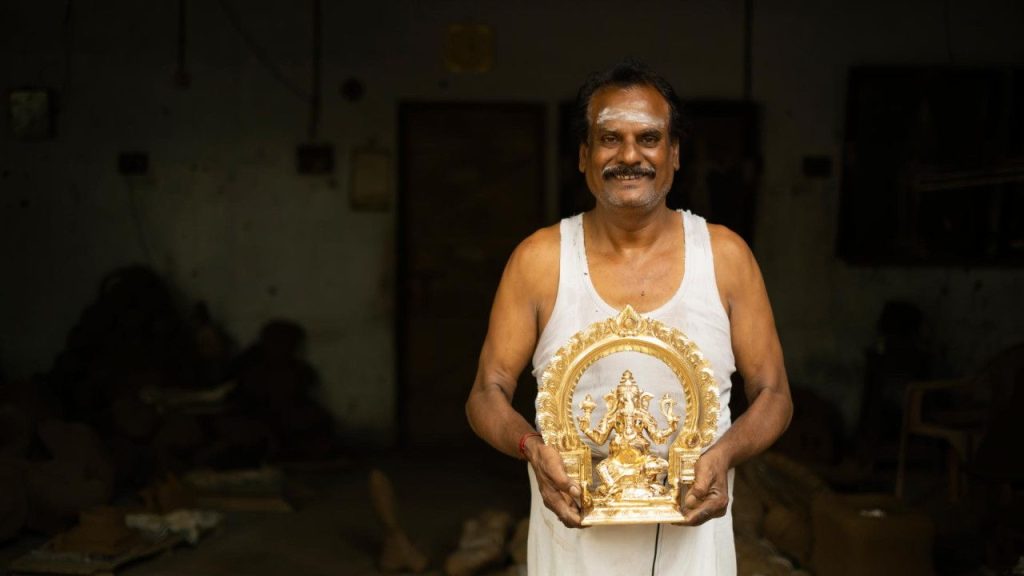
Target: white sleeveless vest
[[696, 310]]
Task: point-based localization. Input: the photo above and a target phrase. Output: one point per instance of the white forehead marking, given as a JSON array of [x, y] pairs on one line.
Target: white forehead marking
[[628, 114]]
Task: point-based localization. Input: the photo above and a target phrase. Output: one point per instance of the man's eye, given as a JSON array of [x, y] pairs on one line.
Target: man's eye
[[649, 140], [609, 139]]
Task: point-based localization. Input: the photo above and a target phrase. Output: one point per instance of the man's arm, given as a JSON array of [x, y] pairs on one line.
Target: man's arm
[[755, 344], [530, 280]]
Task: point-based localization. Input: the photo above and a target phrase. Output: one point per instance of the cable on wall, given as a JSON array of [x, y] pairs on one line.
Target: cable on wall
[[948, 29], [66, 41], [314, 97], [259, 53], [182, 79], [748, 49]]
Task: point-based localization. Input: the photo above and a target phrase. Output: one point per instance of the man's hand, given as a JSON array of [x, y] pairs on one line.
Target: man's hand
[[561, 495], [708, 497]]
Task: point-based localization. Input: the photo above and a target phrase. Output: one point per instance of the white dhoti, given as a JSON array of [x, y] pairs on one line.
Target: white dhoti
[[662, 549]]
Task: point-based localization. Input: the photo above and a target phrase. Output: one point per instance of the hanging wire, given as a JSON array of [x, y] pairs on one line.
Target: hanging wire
[[181, 75], [748, 49], [314, 99], [66, 41], [949, 33], [261, 54]]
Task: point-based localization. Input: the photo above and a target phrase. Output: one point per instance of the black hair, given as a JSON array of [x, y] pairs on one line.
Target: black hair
[[623, 75]]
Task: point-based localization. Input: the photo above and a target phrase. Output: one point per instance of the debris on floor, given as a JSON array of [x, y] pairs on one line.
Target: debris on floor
[[398, 554], [187, 524], [247, 490], [481, 545], [99, 544]]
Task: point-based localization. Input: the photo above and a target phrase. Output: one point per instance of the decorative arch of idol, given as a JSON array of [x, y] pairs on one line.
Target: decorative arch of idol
[[632, 485]]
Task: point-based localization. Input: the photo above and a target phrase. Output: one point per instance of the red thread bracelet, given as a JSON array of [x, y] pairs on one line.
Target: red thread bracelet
[[522, 442]]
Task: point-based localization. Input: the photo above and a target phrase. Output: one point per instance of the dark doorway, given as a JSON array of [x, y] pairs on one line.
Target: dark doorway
[[471, 188]]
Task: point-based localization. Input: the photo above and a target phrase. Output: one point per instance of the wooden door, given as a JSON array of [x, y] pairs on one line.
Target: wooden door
[[471, 180]]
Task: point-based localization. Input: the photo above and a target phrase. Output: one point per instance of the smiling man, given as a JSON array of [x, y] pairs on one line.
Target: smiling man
[[669, 265]]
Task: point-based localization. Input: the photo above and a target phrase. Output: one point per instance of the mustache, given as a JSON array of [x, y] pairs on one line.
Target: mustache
[[623, 171]]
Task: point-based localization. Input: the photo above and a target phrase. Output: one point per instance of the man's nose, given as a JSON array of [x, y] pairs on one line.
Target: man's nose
[[629, 152]]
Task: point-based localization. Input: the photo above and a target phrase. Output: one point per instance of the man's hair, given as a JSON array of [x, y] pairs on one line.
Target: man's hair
[[623, 75]]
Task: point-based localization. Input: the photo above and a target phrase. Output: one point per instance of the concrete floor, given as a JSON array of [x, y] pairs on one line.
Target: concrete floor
[[334, 530]]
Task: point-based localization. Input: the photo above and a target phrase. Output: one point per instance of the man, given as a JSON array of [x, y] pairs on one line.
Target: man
[[631, 249]]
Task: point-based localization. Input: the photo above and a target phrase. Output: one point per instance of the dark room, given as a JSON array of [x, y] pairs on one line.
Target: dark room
[[474, 288]]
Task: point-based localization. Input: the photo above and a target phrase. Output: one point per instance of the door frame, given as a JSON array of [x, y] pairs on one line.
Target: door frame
[[406, 108]]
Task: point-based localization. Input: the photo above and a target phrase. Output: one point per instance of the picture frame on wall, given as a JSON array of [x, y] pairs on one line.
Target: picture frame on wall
[[30, 113], [371, 184]]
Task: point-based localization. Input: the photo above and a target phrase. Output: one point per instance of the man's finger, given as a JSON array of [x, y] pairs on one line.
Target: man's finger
[[554, 469], [714, 506], [710, 510], [571, 518], [565, 509], [698, 490], [696, 517], [704, 479], [562, 495]]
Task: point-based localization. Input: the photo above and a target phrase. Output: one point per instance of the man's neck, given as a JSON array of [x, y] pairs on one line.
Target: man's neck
[[625, 231]]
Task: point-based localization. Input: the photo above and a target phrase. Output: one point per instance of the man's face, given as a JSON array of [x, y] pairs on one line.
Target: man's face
[[629, 158]]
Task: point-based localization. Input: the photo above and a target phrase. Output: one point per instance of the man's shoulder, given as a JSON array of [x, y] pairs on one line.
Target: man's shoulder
[[727, 245], [734, 261], [736, 269], [535, 261], [539, 248]]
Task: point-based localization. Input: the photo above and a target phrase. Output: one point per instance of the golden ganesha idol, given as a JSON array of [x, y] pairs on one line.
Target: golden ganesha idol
[[632, 484]]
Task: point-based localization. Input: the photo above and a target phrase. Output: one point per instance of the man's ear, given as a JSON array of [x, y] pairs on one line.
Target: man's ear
[[583, 158], [674, 151]]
